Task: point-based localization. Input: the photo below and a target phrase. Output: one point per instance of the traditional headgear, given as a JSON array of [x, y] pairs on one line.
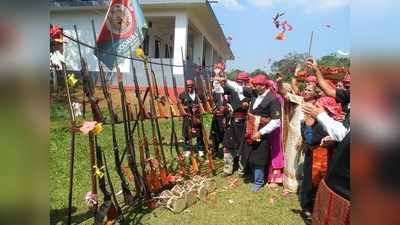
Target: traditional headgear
[[55, 33], [189, 83], [220, 65], [243, 76], [311, 79], [260, 79], [334, 108]]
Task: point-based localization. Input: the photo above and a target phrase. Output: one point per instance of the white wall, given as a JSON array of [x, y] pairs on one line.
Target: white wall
[[82, 19]]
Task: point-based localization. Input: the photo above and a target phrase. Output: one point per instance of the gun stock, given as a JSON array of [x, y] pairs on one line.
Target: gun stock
[[160, 100]]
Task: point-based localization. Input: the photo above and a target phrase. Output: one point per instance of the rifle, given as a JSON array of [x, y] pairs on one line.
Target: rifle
[[211, 165], [129, 144], [152, 180], [208, 87], [96, 115], [142, 111], [207, 91], [176, 94], [72, 156], [174, 140], [157, 141], [159, 99], [174, 111], [201, 91], [133, 129], [113, 118]]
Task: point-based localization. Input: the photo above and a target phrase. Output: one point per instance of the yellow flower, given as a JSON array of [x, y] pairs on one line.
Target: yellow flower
[[71, 80], [98, 128], [99, 171], [139, 53]]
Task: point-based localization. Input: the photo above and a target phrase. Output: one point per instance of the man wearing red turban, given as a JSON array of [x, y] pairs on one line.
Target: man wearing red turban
[[191, 125], [221, 112], [263, 118], [239, 105], [336, 184]]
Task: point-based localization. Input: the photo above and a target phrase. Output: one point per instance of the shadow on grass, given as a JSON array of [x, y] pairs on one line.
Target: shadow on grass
[[132, 217], [135, 216], [61, 215], [299, 212]]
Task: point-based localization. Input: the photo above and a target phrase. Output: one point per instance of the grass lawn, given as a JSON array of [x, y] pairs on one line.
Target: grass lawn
[[227, 206]]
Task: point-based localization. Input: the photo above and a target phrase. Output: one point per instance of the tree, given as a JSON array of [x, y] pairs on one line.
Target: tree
[[334, 60], [257, 71], [287, 65], [232, 74]]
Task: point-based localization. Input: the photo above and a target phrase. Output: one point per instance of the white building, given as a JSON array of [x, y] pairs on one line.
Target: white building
[[190, 25]]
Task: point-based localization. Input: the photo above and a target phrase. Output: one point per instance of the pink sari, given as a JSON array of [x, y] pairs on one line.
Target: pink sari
[[275, 170]]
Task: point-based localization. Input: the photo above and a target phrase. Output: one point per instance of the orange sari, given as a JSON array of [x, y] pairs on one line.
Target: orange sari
[[319, 164]]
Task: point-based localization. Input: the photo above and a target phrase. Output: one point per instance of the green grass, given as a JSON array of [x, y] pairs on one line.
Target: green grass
[[247, 208]]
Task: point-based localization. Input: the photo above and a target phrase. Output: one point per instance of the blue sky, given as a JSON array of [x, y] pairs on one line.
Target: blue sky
[[249, 23]]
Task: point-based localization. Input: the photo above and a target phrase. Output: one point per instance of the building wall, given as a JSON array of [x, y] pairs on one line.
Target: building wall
[[82, 19]]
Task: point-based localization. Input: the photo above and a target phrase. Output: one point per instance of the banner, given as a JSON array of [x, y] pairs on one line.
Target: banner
[[123, 28]]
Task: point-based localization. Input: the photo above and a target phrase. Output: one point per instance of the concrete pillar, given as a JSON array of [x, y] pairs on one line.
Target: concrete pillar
[[180, 42], [198, 48]]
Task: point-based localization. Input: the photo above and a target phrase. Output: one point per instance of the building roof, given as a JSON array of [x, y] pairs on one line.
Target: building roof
[[199, 7]]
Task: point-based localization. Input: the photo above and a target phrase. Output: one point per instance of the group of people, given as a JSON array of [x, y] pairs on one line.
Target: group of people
[[294, 134]]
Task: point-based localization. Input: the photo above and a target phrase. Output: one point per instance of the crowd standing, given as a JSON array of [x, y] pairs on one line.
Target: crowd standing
[[295, 134]]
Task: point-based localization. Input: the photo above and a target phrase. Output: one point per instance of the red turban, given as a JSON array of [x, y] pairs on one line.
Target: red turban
[[260, 79], [243, 76], [334, 108], [189, 83], [312, 79], [55, 31]]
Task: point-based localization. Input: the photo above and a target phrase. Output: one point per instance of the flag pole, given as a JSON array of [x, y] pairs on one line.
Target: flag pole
[[311, 42]]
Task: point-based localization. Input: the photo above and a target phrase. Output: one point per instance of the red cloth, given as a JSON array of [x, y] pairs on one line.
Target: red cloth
[[312, 79], [243, 76], [55, 31], [334, 108], [260, 79], [330, 208], [319, 164], [189, 83]]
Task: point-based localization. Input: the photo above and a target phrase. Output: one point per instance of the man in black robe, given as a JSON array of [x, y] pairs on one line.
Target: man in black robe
[[219, 120], [234, 134], [191, 126], [263, 118]]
